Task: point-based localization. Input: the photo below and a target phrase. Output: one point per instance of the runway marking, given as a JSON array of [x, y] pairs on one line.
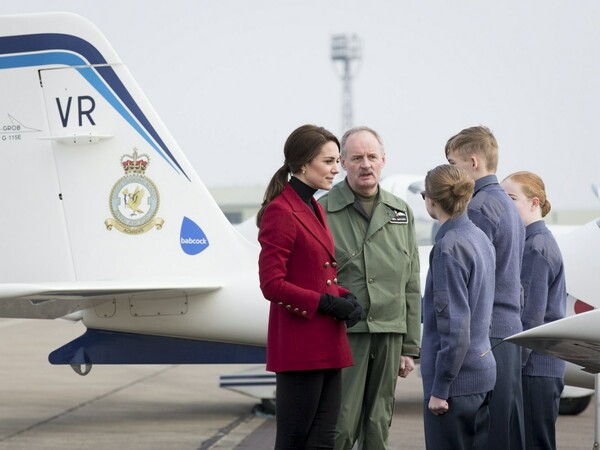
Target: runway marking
[[88, 402], [222, 432]]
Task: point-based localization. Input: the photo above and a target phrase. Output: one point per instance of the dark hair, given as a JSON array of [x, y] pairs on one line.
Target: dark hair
[[475, 140], [450, 187], [300, 148]]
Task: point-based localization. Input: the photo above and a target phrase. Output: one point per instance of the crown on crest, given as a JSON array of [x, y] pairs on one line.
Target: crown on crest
[[135, 164]]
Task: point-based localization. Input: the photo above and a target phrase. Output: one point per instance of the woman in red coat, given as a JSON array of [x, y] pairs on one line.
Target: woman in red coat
[[306, 345]]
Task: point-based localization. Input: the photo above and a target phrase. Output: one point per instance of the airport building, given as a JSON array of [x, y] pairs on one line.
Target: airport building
[[240, 203]]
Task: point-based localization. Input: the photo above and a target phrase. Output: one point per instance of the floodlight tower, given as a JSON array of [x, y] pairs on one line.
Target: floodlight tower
[[346, 49]]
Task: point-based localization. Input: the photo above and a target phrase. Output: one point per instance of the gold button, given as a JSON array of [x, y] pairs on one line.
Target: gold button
[[335, 280], [280, 304], [304, 313], [296, 310], [328, 282], [288, 307], [326, 265], [334, 264]]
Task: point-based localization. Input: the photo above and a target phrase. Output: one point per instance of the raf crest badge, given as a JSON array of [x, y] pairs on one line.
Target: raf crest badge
[[134, 199]]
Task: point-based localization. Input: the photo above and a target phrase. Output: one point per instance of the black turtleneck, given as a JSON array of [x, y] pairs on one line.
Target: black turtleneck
[[304, 191]]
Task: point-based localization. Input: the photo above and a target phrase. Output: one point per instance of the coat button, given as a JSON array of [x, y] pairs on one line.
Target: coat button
[[335, 280], [328, 282], [334, 264], [296, 310], [280, 304], [288, 307], [304, 313], [326, 265], [371, 280]]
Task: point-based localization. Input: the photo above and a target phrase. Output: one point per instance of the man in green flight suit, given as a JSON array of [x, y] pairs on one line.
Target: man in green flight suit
[[378, 261]]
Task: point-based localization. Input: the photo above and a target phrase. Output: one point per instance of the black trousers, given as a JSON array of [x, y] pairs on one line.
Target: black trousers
[[307, 406]]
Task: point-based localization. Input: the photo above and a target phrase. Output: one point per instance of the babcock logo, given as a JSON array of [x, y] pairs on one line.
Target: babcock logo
[[192, 239]]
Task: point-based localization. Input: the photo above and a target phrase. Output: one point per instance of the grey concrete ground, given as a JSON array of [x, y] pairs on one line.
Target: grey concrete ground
[[157, 407]]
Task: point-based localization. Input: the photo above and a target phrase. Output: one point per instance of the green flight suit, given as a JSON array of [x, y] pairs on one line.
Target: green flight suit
[[378, 261]]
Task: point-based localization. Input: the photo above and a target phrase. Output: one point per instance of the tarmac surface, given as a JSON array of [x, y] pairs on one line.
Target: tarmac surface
[[159, 407]]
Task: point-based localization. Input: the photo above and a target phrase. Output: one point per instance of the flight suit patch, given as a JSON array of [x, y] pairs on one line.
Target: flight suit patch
[[400, 218]]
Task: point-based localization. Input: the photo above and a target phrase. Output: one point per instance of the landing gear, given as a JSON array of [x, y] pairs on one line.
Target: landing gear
[[265, 408], [81, 369]]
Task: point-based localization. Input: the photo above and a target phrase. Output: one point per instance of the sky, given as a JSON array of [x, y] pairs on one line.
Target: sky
[[232, 79]]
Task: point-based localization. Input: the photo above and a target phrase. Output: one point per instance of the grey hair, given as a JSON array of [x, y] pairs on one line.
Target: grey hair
[[358, 129]]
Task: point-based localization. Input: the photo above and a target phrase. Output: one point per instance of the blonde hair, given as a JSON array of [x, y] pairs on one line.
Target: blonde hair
[[475, 140], [533, 186], [450, 187]]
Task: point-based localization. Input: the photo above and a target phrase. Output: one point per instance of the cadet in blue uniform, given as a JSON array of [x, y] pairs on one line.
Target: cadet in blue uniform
[[545, 300], [475, 149], [458, 368]]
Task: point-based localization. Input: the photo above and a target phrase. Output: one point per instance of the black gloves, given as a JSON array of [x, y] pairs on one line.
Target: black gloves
[[338, 307], [342, 308], [355, 316]]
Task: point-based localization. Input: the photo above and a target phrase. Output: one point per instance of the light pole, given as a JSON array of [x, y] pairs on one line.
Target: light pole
[[346, 49]]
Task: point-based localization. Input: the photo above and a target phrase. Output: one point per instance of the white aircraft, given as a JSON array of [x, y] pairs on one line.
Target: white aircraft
[[104, 219], [107, 223]]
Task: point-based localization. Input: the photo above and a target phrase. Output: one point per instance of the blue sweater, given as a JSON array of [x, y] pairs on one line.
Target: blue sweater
[[457, 307], [543, 280], [494, 212]]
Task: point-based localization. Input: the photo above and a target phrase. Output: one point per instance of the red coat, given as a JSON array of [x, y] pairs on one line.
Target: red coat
[[297, 265]]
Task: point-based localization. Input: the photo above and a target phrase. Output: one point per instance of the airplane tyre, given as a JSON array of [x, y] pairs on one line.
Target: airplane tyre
[[265, 408], [574, 405]]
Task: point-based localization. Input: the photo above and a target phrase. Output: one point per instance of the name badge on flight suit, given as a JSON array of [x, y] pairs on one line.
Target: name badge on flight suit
[[400, 218]]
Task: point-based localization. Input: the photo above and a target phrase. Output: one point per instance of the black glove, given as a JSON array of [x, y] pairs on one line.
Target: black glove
[[355, 316], [338, 307]]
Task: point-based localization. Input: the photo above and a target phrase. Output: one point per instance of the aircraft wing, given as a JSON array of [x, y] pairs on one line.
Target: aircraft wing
[[575, 339], [579, 249], [54, 300]]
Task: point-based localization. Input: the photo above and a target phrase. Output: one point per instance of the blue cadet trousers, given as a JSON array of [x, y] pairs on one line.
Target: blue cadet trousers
[[541, 399], [507, 429], [464, 427]]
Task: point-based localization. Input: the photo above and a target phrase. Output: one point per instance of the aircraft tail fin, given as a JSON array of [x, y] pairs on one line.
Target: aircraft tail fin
[[96, 188]]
